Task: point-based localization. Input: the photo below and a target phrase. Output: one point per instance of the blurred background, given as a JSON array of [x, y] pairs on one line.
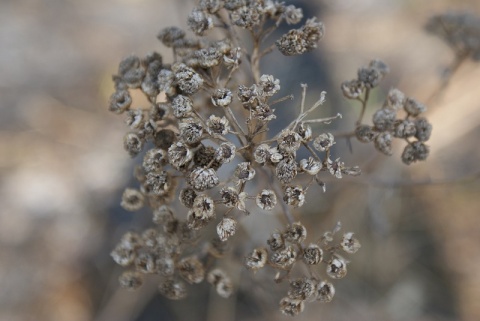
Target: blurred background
[[63, 168]]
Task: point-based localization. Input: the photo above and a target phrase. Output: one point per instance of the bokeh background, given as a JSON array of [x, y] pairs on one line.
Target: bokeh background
[[63, 168]]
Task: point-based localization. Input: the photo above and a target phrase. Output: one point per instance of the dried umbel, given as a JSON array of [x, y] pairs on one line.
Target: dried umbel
[[387, 124], [209, 160]]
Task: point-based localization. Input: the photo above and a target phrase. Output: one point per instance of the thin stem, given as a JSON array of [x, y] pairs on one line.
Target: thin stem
[[364, 106]]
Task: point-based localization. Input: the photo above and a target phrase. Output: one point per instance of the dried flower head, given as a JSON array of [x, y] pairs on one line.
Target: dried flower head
[[325, 291], [191, 269], [312, 254], [349, 243], [257, 259], [132, 199], [226, 228], [337, 268], [291, 307], [266, 200]]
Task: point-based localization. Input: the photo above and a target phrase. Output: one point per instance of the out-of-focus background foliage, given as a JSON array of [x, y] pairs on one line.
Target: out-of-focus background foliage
[[63, 168]]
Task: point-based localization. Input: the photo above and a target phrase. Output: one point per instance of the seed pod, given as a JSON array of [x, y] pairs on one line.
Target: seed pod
[[266, 200]]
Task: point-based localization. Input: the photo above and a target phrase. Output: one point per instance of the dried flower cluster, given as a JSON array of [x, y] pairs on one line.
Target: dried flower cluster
[[289, 248], [412, 128], [210, 160]]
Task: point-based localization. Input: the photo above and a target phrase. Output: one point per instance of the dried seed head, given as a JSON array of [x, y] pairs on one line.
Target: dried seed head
[[284, 258], [370, 77], [349, 243], [145, 262], [395, 99], [187, 197], [325, 291], [302, 288], [123, 255], [131, 71], [206, 57], [165, 266], [170, 35], [404, 128], [310, 166], [244, 172], [246, 17], [383, 143], [165, 81], [221, 282], [149, 237], [305, 132], [132, 199], [191, 131], [335, 167], [173, 290], [424, 129], [294, 195], [226, 228], [182, 106], [158, 111], [202, 179], [205, 157], [249, 96], [120, 101], [381, 66], [276, 242], [191, 269], [365, 133], [312, 32], [179, 155], [199, 21], [312, 254], [230, 196], [224, 288], [413, 107], [289, 141], [292, 14], [323, 142], [269, 85], [222, 97], [256, 259], [337, 268], [291, 307], [133, 144], [131, 240], [266, 199], [384, 119], [204, 208], [262, 153], [286, 170], [163, 215], [154, 159], [158, 183], [353, 89], [218, 126], [187, 79], [211, 6], [164, 138], [263, 112], [130, 280], [415, 151], [295, 233], [225, 153]]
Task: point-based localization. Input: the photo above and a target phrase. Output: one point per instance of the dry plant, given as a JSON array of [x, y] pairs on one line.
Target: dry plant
[[211, 162]]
